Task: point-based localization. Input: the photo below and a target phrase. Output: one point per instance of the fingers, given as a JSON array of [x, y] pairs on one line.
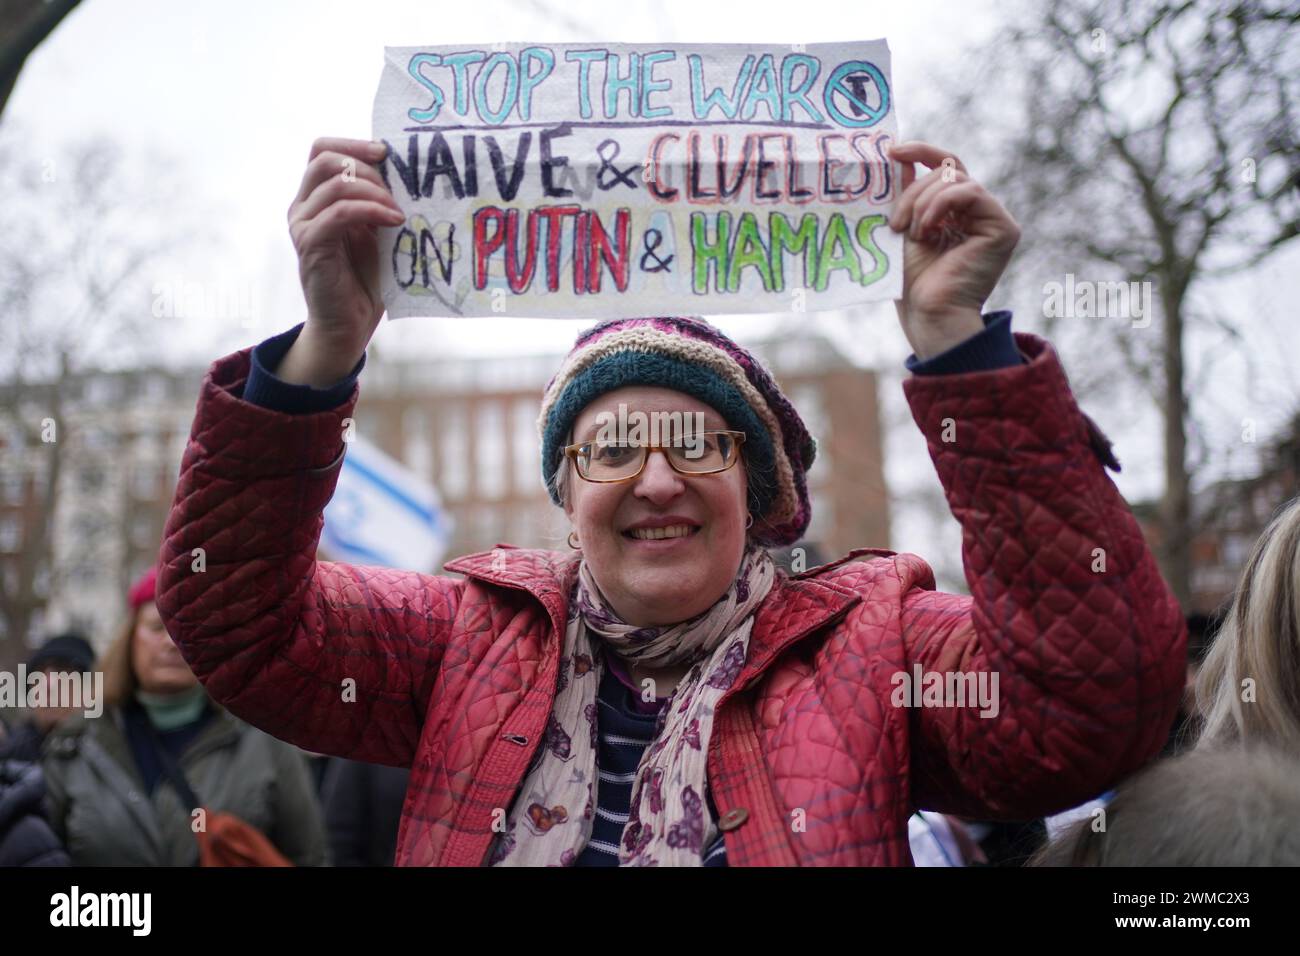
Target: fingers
[[909, 176], [329, 200], [973, 202], [932, 157], [337, 188], [328, 164], [338, 217], [945, 166], [904, 215], [957, 198], [363, 149]]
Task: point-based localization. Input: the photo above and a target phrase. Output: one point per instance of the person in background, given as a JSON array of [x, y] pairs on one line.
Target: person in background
[[1215, 807], [363, 808], [66, 653], [25, 836], [109, 797], [1248, 689]]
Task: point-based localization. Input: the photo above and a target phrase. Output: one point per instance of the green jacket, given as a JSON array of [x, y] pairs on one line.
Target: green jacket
[[97, 804]]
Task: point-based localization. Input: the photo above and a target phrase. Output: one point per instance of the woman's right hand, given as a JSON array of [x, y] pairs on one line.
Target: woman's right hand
[[333, 222]]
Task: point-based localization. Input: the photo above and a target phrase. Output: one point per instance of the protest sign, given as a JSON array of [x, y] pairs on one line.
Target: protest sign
[[615, 180]]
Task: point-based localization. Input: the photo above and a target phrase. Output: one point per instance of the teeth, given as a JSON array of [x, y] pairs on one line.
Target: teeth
[[654, 534]]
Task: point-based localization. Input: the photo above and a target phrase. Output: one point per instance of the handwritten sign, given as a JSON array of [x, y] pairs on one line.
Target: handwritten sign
[[616, 180]]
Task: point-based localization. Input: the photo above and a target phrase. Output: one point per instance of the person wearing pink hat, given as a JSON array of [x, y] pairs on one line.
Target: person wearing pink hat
[[112, 793]]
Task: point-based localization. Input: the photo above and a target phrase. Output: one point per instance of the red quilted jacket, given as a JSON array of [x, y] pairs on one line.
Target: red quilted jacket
[[810, 762]]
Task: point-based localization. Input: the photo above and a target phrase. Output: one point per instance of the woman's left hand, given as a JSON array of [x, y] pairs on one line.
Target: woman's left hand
[[958, 241]]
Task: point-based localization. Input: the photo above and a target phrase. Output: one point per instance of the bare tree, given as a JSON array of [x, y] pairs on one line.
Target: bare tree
[[77, 244], [1148, 141]]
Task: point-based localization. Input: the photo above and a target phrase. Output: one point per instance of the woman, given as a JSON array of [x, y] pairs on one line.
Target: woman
[[1248, 688], [109, 796], [661, 694]]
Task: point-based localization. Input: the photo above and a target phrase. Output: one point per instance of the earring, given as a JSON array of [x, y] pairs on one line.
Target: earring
[[573, 543], [750, 523]]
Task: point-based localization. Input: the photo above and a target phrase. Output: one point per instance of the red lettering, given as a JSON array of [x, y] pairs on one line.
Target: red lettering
[[520, 278], [484, 246], [580, 233], [619, 259], [554, 216]]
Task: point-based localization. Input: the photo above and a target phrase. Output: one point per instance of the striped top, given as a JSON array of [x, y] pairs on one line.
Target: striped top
[[626, 726]]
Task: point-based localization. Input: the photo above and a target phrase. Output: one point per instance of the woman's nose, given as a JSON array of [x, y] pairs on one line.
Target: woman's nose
[[658, 482]]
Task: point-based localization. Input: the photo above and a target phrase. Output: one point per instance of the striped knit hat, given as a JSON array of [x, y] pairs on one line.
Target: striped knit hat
[[690, 356]]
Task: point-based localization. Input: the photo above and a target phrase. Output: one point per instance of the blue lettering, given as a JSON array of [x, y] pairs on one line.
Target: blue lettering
[[458, 62], [799, 94], [584, 59], [615, 84], [507, 97], [766, 72], [417, 61], [529, 80], [702, 105], [651, 85]]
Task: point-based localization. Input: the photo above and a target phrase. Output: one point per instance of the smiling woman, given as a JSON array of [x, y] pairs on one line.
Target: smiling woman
[[663, 694]]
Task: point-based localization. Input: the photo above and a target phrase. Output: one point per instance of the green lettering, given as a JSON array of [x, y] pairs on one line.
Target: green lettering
[[749, 251], [784, 239], [705, 253], [865, 227], [838, 242]]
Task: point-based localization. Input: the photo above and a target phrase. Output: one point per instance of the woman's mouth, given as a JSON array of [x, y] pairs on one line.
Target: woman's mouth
[[660, 534]]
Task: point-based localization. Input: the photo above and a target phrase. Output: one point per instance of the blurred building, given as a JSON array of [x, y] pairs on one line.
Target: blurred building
[[468, 424], [105, 482], [1230, 516]]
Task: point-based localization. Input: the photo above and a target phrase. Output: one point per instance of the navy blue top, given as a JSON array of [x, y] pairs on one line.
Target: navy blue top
[[175, 741], [626, 724]]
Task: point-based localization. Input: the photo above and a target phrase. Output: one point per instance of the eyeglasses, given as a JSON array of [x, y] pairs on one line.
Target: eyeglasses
[[704, 454]]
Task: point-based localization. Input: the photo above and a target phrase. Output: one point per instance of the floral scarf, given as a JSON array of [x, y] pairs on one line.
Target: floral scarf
[[669, 823]]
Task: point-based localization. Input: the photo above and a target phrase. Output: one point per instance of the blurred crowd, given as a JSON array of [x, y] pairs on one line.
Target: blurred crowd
[[127, 787], [134, 785]]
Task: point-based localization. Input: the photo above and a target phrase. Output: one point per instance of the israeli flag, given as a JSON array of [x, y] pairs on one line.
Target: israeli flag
[[382, 513]]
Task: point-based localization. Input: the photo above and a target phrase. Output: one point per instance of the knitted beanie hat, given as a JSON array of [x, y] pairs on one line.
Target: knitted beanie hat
[[690, 356], [142, 592]]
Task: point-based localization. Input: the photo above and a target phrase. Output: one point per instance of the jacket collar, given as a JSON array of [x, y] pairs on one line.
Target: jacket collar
[[794, 608]]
